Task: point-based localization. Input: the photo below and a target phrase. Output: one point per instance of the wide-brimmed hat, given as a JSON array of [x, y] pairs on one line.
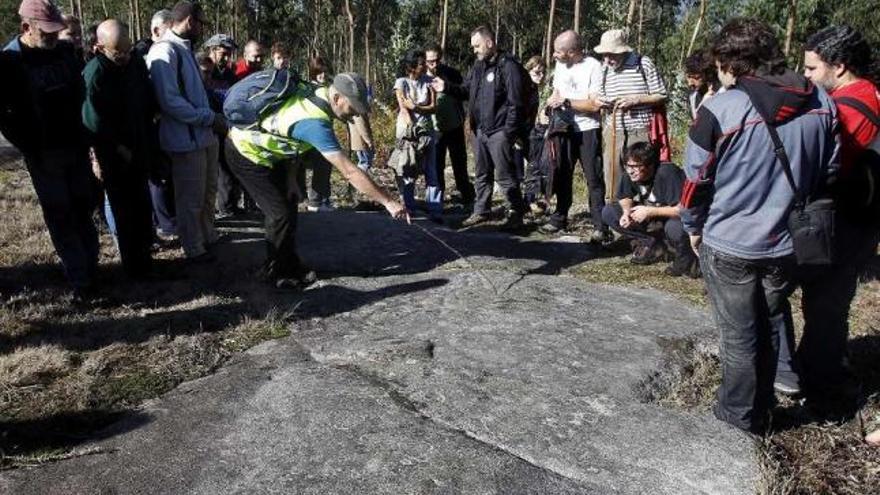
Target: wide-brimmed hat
[[613, 41], [44, 13]]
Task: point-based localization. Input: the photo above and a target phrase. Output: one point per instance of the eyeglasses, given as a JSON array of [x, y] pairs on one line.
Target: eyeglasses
[[635, 165]]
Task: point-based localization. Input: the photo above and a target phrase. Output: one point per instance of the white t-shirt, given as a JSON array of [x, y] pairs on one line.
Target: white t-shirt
[[580, 81], [419, 91]]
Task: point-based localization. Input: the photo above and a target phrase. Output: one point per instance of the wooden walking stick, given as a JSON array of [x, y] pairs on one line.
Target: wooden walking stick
[[611, 185]]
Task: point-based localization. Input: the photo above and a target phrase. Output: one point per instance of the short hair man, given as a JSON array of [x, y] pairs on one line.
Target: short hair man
[[449, 121], [72, 32], [632, 90], [118, 113], [736, 201], [647, 210], [577, 81], [251, 61], [701, 79], [266, 165], [838, 59], [187, 129], [494, 90], [220, 47], [44, 123]]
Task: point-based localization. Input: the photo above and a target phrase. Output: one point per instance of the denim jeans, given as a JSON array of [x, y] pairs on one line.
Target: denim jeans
[[433, 188], [750, 304], [365, 159]]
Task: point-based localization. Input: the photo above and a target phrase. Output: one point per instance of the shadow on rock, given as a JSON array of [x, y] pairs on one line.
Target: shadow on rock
[[370, 244], [64, 431], [329, 300]]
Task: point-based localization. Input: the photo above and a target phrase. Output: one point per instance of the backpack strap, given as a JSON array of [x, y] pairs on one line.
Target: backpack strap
[[860, 107]]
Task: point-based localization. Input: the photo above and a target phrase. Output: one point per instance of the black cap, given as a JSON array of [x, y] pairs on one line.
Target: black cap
[[353, 87]]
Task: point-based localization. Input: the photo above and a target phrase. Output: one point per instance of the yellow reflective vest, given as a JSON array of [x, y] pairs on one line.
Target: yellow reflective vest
[[269, 142]]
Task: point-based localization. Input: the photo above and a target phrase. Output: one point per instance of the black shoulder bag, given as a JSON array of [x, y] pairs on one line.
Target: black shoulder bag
[[811, 221]]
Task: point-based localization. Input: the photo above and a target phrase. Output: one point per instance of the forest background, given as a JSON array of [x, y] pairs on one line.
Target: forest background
[[370, 36]]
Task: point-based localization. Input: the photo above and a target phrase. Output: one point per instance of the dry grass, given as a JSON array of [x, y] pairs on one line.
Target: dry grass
[[68, 371]]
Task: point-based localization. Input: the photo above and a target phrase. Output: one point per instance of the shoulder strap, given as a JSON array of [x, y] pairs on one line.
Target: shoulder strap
[[861, 107], [641, 70], [782, 156], [319, 102]]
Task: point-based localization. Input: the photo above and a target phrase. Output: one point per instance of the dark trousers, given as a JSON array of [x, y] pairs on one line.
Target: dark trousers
[[65, 188], [750, 304], [495, 163], [672, 232], [827, 295], [584, 147], [276, 192], [162, 199], [229, 191], [454, 142], [129, 195], [319, 190]]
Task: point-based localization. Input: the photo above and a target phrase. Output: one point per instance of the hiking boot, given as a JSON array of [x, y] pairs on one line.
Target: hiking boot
[[514, 223], [648, 254], [475, 219]]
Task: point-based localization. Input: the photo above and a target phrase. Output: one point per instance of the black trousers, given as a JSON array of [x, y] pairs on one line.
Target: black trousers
[[586, 148], [229, 191], [129, 194], [454, 142], [65, 188], [827, 295], [495, 163], [276, 192]]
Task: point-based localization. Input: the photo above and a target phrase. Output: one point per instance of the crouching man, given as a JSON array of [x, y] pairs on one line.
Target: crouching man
[[266, 159], [647, 211]]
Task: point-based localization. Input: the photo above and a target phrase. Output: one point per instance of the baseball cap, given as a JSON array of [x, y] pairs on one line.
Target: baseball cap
[[353, 87], [44, 12], [223, 40]]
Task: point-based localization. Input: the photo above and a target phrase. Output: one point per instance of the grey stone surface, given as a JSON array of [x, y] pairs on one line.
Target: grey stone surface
[[477, 376]]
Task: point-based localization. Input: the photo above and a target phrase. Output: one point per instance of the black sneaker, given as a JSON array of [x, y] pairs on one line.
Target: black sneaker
[[681, 266], [514, 223], [649, 254]]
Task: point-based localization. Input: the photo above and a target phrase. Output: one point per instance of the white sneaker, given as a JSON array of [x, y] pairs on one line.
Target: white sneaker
[[318, 208]]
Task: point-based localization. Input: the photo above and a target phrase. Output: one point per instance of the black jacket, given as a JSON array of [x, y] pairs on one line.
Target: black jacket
[[494, 90], [42, 96]]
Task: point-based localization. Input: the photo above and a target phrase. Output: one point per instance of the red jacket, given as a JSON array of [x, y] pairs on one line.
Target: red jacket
[[856, 130], [242, 69]]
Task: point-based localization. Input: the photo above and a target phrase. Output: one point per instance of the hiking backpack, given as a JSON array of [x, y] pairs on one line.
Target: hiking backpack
[[263, 92], [863, 191]]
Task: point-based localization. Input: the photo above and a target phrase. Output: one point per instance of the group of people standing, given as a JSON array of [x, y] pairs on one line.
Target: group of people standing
[[150, 116]]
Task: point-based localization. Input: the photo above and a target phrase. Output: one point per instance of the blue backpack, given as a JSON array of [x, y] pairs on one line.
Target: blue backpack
[[261, 93]]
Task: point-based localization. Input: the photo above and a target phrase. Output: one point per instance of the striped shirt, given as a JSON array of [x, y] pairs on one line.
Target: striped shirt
[[632, 78]]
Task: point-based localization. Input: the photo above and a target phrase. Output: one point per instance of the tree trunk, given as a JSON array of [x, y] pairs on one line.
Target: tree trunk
[[631, 13], [704, 6], [137, 19], [367, 26], [350, 17], [641, 24], [789, 28], [445, 21], [548, 48], [577, 16], [497, 22], [103, 7]]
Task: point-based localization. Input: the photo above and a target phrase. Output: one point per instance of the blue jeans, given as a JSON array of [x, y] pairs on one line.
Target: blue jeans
[[750, 304], [365, 159], [433, 189]]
